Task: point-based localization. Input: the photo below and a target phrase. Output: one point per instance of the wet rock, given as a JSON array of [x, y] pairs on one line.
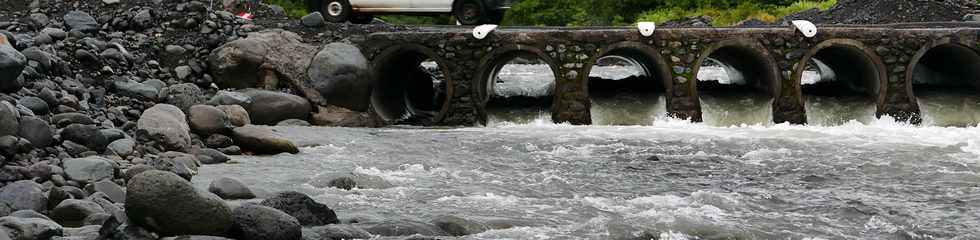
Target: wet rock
[[72, 212], [136, 90], [262, 140], [88, 134], [341, 74], [167, 204], [136, 170], [341, 117], [228, 188], [218, 141], [90, 169], [457, 226], [182, 164], [336, 232], [12, 63], [314, 19], [183, 96], [360, 180], [206, 120], [269, 108], [166, 125], [81, 21], [229, 98], [304, 208], [113, 191], [35, 104], [65, 119], [96, 219], [256, 222], [83, 233], [261, 60], [345, 183], [24, 195], [37, 131], [209, 156], [122, 147], [29, 214], [30, 228], [237, 115], [404, 228], [9, 124]]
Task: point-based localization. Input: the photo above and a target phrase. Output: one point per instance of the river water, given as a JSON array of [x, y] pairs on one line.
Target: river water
[[669, 179]]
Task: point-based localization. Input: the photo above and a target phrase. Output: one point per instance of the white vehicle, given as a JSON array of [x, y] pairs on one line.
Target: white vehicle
[[467, 12]]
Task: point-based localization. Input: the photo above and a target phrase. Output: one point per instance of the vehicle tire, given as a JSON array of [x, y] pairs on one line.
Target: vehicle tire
[[362, 18], [336, 11], [470, 12]]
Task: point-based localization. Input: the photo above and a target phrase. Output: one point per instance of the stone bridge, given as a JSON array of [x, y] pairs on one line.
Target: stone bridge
[[873, 61]]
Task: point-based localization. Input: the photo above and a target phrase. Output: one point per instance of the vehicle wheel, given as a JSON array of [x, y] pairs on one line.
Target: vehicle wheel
[[336, 11], [470, 12], [362, 18]]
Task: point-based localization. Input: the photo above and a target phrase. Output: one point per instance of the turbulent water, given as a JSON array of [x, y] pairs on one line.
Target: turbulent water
[[847, 175]]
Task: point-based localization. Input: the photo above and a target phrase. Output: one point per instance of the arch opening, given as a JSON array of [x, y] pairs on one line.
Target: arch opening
[[519, 88], [627, 86], [736, 85], [412, 87], [841, 83], [946, 84]]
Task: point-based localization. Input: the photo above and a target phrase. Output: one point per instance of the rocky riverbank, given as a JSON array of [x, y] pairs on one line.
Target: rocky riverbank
[[108, 108]]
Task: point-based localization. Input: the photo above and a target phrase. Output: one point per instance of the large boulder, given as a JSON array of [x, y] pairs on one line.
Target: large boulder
[[304, 208], [165, 124], [12, 63], [30, 228], [458, 226], [89, 169], [256, 222], [262, 140], [87, 134], [229, 188], [183, 96], [237, 115], [37, 131], [206, 120], [262, 60], [269, 108], [81, 21], [342, 75], [169, 205], [24, 195], [9, 125]]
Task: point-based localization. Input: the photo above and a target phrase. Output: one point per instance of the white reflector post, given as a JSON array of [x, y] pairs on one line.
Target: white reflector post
[[482, 31], [646, 28], [806, 27]]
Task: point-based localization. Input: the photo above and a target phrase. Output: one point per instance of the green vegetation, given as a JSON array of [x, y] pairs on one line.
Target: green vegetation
[[618, 12]]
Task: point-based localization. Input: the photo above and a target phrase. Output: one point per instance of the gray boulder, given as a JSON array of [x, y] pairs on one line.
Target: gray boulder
[[229, 188], [262, 140], [81, 21], [37, 131], [183, 96], [35, 104], [458, 226], [30, 228], [89, 169], [113, 191], [210, 156], [304, 208], [206, 120], [314, 19], [182, 164], [122, 147], [65, 119], [87, 134], [256, 222], [165, 124], [229, 98], [72, 212], [136, 90], [24, 195], [342, 75], [169, 205], [12, 63], [336, 232], [237, 115], [9, 124], [269, 108], [262, 60]]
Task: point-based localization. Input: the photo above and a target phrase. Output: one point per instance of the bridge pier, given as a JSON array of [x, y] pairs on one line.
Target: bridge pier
[[878, 63]]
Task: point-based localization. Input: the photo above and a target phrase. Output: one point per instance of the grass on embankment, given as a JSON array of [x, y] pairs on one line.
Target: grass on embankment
[[729, 17]]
